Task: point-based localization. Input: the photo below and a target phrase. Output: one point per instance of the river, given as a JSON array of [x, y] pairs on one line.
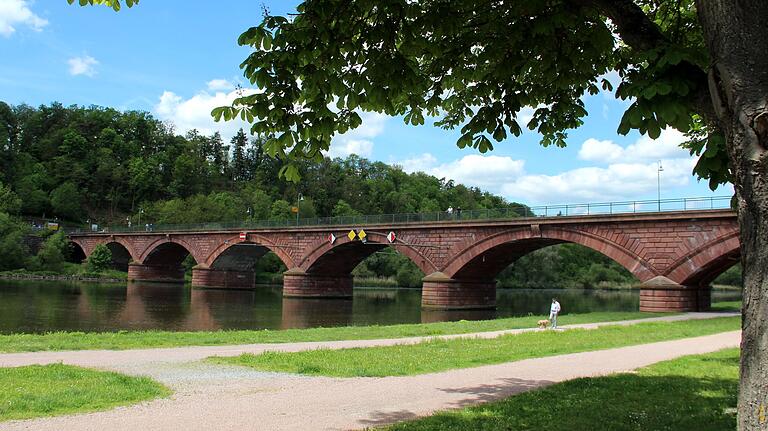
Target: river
[[37, 306]]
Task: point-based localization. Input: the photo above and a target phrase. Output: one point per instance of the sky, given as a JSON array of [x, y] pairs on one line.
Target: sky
[[178, 59]]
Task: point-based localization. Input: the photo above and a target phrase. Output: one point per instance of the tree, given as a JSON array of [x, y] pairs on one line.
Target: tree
[[100, 259], [65, 201], [239, 169], [9, 201], [695, 65]]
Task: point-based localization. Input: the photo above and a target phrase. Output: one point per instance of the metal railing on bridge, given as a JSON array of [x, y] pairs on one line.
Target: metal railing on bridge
[[457, 215]]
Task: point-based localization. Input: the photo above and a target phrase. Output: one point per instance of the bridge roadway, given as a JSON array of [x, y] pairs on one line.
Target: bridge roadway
[[675, 255]]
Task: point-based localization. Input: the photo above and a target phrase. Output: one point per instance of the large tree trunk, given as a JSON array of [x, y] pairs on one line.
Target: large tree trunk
[[737, 37]]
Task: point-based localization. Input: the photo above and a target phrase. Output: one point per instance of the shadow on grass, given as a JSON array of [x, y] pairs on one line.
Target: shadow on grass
[[487, 393], [480, 394], [619, 402]]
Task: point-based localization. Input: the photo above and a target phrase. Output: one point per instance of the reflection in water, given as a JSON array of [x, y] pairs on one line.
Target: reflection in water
[[62, 306], [311, 312]]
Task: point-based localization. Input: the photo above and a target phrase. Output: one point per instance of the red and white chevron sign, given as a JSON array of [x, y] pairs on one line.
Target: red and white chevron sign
[[391, 237]]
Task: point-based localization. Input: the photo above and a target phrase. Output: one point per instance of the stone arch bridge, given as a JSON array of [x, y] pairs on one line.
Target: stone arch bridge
[[675, 255]]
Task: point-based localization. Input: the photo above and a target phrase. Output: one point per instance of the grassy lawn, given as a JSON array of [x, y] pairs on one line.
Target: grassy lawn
[[689, 393], [727, 306], [440, 355], [148, 339], [47, 390]]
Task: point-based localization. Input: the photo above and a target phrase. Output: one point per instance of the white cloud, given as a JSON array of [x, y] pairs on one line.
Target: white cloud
[[620, 181], [629, 173], [486, 172], [17, 12], [359, 141], [84, 65], [195, 112], [220, 85], [644, 149], [361, 147]]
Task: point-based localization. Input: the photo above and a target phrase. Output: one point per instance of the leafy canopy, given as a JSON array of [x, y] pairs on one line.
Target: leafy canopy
[[473, 65], [114, 4]]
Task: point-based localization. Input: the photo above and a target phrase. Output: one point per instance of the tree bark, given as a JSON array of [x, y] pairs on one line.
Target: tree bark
[[737, 38]]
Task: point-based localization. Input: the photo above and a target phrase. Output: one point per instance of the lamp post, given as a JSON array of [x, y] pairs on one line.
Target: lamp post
[[658, 184], [249, 212], [141, 211], [299, 198]]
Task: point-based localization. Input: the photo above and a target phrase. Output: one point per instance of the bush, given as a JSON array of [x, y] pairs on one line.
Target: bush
[[409, 276], [13, 252], [100, 259], [53, 252]]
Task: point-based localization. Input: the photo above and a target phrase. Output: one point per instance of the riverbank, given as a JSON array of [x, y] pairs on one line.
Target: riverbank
[[48, 276], [124, 340]]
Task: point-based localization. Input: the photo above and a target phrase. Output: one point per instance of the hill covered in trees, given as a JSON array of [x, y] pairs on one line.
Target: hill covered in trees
[[107, 166]]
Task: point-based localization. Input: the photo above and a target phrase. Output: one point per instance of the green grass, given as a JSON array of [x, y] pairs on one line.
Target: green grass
[[441, 355], [47, 390], [690, 393], [727, 306], [148, 339]]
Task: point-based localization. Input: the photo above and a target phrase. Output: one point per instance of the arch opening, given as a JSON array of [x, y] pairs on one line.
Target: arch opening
[[708, 272], [343, 258], [76, 253], [387, 267], [121, 257], [169, 254], [564, 265], [167, 262]]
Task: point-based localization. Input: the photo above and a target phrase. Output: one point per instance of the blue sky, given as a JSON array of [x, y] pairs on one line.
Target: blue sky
[[178, 59]]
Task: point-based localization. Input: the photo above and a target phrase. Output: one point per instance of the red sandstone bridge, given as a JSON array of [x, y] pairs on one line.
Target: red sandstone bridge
[[675, 250]]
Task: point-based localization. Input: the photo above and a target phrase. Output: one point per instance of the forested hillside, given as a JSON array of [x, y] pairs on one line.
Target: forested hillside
[[78, 163]]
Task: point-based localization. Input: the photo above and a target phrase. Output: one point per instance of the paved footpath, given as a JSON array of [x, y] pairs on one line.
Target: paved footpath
[[215, 397]]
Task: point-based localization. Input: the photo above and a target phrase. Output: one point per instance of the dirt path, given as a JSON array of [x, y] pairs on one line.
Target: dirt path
[[212, 397]]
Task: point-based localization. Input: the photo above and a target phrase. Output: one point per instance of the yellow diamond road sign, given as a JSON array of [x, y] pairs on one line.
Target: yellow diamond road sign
[[351, 235], [362, 235]]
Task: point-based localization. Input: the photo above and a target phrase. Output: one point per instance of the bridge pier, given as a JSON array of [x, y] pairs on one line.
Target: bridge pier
[[300, 284], [440, 292], [203, 276], [661, 294], [155, 273]]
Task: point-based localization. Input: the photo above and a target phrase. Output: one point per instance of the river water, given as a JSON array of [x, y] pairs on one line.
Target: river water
[[34, 306]]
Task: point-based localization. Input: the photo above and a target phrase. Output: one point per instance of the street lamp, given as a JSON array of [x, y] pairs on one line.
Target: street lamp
[[298, 205], [249, 211], [141, 211], [658, 184]]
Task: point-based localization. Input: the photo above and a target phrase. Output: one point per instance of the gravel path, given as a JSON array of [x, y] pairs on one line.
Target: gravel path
[[208, 397]]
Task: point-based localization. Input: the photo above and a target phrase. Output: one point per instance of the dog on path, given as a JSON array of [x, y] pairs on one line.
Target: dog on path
[[543, 323]]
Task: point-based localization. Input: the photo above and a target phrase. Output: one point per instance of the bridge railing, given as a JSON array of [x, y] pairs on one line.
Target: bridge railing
[[457, 215]]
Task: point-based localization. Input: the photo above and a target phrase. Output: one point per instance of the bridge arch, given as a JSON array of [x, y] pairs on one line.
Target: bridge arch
[[169, 251], [344, 255], [484, 259], [704, 264], [252, 248]]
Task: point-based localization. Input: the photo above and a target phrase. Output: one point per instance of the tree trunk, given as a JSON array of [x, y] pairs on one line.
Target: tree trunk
[[737, 38]]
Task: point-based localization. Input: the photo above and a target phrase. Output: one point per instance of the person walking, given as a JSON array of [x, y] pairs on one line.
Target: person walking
[[554, 310]]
